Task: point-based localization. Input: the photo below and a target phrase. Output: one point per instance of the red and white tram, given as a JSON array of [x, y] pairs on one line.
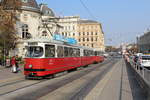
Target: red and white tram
[[47, 58]]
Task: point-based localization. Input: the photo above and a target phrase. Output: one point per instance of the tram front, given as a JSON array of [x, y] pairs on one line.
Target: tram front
[[34, 60]]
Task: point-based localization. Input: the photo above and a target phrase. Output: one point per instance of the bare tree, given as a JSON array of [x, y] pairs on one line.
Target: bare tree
[[8, 11]]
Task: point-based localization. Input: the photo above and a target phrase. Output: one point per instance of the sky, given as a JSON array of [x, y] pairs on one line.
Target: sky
[[122, 20]]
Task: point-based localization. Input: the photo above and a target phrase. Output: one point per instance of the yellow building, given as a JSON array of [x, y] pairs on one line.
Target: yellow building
[[87, 32], [91, 34]]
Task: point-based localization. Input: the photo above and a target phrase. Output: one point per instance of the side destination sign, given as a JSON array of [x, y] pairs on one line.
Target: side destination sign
[[64, 39]]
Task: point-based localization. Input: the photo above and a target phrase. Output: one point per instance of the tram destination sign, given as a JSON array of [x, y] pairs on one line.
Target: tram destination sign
[[32, 43]]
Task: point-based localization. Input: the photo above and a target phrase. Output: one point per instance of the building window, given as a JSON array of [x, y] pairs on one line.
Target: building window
[[83, 39], [87, 33], [73, 28], [91, 38], [83, 33], [73, 34], [91, 33], [87, 39], [96, 33], [25, 31], [92, 45], [79, 33], [66, 34], [79, 40], [96, 39], [63, 33], [44, 33]]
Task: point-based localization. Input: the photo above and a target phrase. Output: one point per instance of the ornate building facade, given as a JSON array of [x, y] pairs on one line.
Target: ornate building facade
[[30, 24], [40, 21]]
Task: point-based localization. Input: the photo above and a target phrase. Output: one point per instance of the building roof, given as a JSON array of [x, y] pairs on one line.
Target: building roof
[[87, 21], [29, 5], [46, 11]]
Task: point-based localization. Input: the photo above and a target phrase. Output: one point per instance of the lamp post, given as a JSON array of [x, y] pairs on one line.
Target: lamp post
[[4, 54]]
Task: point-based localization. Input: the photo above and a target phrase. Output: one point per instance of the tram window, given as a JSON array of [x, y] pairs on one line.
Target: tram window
[[85, 53], [60, 51], [88, 53], [78, 52], [66, 51], [91, 53], [49, 50], [95, 53], [34, 51], [70, 52], [74, 52]]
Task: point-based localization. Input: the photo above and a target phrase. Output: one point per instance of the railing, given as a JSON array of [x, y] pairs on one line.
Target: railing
[[144, 73]]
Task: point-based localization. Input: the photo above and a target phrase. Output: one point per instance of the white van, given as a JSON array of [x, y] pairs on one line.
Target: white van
[[144, 61]]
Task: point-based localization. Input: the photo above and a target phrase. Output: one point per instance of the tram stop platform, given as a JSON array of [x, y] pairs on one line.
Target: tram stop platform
[[119, 83]]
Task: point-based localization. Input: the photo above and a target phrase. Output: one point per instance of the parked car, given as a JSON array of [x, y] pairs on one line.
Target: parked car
[[144, 61]]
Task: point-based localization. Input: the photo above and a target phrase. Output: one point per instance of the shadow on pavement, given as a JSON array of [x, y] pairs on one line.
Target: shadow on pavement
[[137, 90]]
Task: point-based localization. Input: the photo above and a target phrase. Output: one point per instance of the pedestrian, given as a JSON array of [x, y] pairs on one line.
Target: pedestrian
[[17, 63], [13, 64]]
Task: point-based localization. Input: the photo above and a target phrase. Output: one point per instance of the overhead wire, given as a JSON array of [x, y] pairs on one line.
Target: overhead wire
[[87, 9]]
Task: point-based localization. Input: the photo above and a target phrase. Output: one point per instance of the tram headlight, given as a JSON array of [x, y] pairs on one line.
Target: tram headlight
[[30, 66]]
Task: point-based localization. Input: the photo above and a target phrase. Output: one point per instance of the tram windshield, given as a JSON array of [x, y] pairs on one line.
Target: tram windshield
[[34, 51]]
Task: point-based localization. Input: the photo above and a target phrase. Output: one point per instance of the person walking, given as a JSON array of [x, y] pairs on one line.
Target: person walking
[[17, 63], [13, 64]]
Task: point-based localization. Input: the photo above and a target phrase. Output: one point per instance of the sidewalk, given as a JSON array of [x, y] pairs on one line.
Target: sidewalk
[[6, 74], [118, 84]]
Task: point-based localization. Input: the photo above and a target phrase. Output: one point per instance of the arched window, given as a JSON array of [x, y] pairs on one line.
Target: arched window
[[25, 30], [44, 33]]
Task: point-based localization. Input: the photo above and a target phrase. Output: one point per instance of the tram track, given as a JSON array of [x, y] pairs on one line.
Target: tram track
[[90, 85], [21, 88], [11, 83], [80, 87], [50, 87]]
